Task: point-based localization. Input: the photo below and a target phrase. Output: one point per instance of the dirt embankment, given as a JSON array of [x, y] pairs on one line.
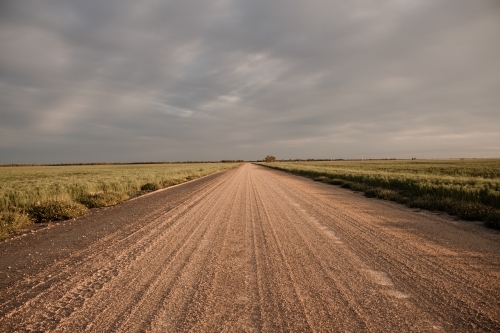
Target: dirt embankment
[[253, 250]]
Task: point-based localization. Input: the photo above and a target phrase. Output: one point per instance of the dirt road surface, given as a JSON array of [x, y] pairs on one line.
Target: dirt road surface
[[253, 250]]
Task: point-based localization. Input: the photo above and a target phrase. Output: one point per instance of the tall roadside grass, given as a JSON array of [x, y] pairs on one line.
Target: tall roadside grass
[[31, 194], [469, 189]]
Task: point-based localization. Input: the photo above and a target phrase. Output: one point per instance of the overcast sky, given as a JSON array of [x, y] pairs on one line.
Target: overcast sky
[[152, 80]]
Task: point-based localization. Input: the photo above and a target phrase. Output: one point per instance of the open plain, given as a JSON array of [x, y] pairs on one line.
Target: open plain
[[253, 250]]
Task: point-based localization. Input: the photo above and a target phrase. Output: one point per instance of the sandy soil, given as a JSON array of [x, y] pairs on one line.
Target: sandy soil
[[253, 250]]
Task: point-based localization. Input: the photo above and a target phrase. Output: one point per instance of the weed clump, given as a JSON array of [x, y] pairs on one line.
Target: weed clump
[[102, 199], [321, 179], [355, 186], [169, 182], [346, 184], [382, 193], [372, 192], [493, 220], [13, 221], [335, 181], [150, 187], [56, 211]]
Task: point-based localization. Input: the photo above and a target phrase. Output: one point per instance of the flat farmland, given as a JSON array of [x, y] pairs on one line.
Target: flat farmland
[[253, 249]]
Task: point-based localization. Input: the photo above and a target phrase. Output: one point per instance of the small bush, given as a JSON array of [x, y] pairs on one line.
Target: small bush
[[383, 193], [493, 220], [346, 184], [358, 187], [425, 202], [471, 211], [387, 194], [321, 179], [371, 192], [102, 199], [403, 200], [150, 187], [335, 181], [56, 211], [11, 222], [169, 182]]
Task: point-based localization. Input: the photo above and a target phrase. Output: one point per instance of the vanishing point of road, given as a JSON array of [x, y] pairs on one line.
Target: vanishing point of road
[[253, 250]]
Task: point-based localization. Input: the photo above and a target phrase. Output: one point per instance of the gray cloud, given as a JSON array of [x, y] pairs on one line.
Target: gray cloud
[[85, 81]]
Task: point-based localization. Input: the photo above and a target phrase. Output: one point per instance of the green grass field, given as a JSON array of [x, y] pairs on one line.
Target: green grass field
[[467, 188], [31, 194]]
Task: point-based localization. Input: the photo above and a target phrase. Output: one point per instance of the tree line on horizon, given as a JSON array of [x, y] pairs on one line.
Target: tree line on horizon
[[115, 163]]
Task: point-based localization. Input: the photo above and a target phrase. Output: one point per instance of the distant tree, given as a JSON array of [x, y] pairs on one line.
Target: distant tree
[[270, 158]]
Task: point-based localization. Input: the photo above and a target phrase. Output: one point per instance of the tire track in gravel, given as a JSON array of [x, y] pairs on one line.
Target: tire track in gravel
[[283, 310], [227, 270], [256, 250], [179, 306]]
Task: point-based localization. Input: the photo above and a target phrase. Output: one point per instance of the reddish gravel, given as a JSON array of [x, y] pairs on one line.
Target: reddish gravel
[[253, 250]]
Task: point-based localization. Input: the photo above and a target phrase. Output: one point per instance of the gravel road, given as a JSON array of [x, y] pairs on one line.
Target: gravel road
[[253, 250]]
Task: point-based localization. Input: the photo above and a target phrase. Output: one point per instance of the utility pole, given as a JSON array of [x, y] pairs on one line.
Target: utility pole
[[362, 157]]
